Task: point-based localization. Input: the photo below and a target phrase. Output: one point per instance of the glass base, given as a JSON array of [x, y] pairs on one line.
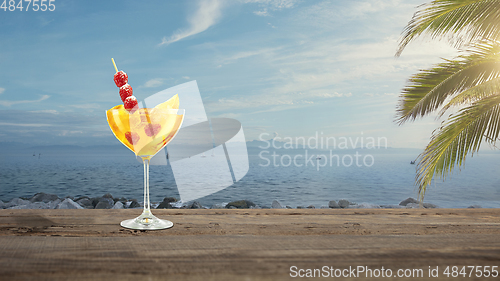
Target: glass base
[[146, 221]]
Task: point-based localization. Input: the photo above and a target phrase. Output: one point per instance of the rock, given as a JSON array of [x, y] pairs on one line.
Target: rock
[[343, 203], [474, 207], [255, 207], [165, 204], [300, 207], [53, 204], [391, 206], [103, 202], [429, 206], [194, 205], [413, 206], [171, 199], [85, 202], [217, 206], [103, 205], [43, 197], [118, 205], [107, 195], [276, 205], [37, 205], [16, 202], [19, 207], [122, 199], [95, 200], [134, 204], [407, 201], [366, 206], [288, 207], [68, 204], [311, 207], [2, 205], [241, 204], [324, 207], [80, 198], [30, 205], [40, 205], [333, 204]]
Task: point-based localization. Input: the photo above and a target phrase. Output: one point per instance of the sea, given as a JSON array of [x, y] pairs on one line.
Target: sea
[[380, 177]]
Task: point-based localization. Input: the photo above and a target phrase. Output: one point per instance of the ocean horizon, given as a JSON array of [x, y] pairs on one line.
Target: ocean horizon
[[295, 177]]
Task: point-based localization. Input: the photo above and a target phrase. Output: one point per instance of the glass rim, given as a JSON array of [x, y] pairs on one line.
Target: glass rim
[[179, 111]]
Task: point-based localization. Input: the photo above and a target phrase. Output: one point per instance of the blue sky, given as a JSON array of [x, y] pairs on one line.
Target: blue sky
[[285, 67]]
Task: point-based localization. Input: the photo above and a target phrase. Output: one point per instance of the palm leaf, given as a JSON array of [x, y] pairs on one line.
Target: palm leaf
[[460, 20], [461, 135], [473, 94], [428, 90]]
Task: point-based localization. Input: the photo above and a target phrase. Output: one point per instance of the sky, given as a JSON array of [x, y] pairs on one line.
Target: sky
[[287, 68]]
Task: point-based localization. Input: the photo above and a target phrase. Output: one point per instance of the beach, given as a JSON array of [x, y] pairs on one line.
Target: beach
[[248, 244]]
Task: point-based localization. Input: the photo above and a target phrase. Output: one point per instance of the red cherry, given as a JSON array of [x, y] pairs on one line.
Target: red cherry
[[152, 129], [132, 137], [125, 91], [121, 78], [130, 104]]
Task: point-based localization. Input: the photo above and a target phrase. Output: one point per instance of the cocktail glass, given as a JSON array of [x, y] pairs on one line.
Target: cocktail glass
[[145, 131]]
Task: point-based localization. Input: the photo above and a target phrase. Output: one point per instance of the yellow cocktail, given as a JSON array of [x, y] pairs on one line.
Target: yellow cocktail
[[146, 131]]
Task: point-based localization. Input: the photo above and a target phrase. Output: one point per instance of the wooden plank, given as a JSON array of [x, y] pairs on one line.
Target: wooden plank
[[230, 244]]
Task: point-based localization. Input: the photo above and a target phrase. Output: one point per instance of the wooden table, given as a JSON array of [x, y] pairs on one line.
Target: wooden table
[[244, 244]]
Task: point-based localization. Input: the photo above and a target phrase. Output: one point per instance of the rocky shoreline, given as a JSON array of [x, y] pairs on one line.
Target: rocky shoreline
[[107, 201]]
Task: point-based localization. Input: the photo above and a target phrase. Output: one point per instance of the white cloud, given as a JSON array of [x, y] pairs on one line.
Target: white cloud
[[9, 103], [245, 54], [361, 8], [320, 56], [186, 77], [207, 14], [273, 5], [316, 68], [2, 90], [275, 102], [156, 82], [331, 95], [263, 13]]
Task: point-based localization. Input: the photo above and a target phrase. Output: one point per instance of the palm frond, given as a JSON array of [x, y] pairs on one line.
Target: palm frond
[[428, 90], [460, 20], [473, 94], [461, 135]]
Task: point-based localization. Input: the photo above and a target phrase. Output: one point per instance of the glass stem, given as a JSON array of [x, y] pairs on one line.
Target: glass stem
[[146, 185]]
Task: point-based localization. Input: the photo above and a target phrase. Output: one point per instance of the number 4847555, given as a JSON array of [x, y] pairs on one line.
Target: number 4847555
[[25, 5]]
